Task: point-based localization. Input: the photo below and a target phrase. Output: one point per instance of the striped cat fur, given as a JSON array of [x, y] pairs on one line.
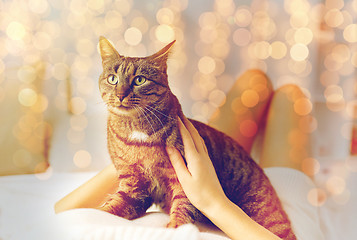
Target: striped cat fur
[[142, 121]]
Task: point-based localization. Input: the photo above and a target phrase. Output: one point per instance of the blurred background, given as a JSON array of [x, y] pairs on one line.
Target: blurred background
[[51, 115]]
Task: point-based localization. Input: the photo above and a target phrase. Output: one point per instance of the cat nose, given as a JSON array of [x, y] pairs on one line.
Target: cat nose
[[122, 92], [121, 97]]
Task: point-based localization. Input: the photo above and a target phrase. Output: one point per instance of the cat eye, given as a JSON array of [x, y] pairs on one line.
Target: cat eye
[[139, 80], [112, 79]]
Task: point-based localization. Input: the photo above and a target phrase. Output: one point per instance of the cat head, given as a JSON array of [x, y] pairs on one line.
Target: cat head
[[129, 85]]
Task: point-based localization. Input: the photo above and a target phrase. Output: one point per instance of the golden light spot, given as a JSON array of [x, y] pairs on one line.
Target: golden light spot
[[60, 71], [38, 6], [133, 36], [250, 98], [238, 107], [335, 185], [299, 19], [208, 19], [79, 106], [164, 33], [140, 23], [262, 50], [299, 52], [82, 159], [258, 82], [96, 5], [278, 50], [308, 124], [16, 30], [242, 37], [350, 33], [206, 65], [113, 19], [342, 198], [41, 104], [338, 4], [27, 74], [225, 7], [336, 106], [302, 106], [317, 197], [333, 94], [333, 18], [217, 98], [27, 97], [220, 48], [329, 78], [341, 53], [310, 166], [243, 17], [303, 36], [165, 16], [248, 128], [297, 67]]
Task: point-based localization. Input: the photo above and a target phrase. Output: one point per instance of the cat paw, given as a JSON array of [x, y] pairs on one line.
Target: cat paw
[[173, 224], [176, 223]]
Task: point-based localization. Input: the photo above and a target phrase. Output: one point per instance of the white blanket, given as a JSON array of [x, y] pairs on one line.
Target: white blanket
[[26, 212]]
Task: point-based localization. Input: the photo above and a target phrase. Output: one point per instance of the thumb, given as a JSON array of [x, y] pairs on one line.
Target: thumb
[[177, 162]]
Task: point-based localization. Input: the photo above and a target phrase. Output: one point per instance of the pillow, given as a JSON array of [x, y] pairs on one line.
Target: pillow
[[24, 133]]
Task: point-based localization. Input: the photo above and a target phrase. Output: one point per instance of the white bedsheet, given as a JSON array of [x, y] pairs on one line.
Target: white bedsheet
[[26, 212]]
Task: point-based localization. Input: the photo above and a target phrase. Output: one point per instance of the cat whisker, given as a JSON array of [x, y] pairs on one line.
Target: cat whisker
[[143, 113], [163, 114], [163, 127]]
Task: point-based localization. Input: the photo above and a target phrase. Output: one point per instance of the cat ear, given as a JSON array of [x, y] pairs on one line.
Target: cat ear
[[107, 51], [163, 54]]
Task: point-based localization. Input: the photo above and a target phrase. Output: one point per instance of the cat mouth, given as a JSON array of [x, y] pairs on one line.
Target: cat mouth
[[120, 110]]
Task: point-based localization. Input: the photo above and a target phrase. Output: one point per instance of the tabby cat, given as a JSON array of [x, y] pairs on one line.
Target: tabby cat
[[142, 121]]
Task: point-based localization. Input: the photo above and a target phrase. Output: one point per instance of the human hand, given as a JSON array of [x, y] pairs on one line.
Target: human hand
[[198, 180]]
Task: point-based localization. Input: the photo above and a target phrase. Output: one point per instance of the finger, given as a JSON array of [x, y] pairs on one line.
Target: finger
[[178, 163], [196, 137], [187, 139], [204, 145]]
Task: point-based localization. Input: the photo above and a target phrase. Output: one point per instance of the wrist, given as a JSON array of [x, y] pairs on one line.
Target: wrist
[[216, 206]]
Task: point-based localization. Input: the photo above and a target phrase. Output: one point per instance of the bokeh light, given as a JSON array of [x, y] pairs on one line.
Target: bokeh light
[[299, 52], [164, 33], [311, 44], [82, 158], [133, 36]]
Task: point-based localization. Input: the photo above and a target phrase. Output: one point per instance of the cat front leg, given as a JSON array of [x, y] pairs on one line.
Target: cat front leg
[[131, 200], [125, 205], [181, 210]]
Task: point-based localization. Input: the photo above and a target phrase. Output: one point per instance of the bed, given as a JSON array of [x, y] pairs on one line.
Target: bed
[[27, 212], [52, 120]]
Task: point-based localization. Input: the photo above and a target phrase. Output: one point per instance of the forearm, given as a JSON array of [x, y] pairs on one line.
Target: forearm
[[235, 222], [92, 193]]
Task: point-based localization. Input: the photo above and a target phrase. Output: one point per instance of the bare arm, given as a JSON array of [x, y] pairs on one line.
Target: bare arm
[[92, 193], [201, 185]]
